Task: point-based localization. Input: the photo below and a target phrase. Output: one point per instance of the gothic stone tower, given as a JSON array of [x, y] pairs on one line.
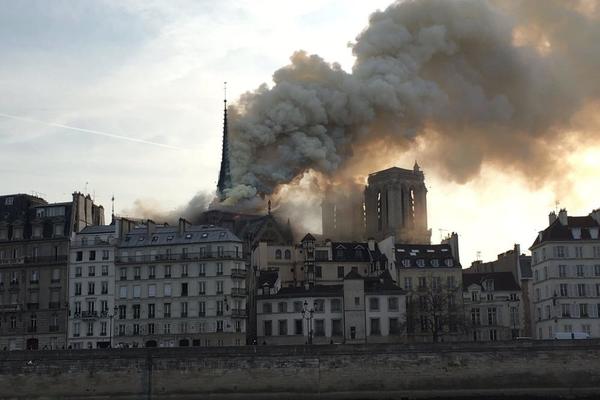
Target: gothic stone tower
[[396, 204]]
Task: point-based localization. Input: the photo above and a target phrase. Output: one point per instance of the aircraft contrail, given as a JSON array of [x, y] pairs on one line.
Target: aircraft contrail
[[91, 131]]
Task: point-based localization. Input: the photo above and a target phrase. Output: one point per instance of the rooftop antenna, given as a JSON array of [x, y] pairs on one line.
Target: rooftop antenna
[[478, 255], [112, 199]]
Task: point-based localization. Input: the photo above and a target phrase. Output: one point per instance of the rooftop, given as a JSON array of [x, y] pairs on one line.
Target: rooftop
[[425, 255], [169, 235], [503, 281]]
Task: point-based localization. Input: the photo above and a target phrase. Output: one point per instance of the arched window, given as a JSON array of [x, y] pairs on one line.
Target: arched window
[[288, 254], [278, 254]]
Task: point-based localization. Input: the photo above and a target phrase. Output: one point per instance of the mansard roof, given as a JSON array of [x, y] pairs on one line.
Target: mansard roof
[[559, 232], [354, 251], [302, 292], [503, 281], [425, 256], [169, 235]]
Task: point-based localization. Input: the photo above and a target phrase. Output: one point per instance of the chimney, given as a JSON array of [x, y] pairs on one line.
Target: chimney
[[562, 216], [452, 241], [551, 218], [595, 214], [183, 225], [371, 242], [150, 228]]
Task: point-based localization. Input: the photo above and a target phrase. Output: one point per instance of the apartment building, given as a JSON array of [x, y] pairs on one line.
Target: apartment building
[[357, 310], [493, 306], [92, 284], [180, 286], [566, 276], [34, 248]]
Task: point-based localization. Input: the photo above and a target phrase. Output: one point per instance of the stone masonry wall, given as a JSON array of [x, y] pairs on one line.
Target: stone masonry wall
[[546, 369]]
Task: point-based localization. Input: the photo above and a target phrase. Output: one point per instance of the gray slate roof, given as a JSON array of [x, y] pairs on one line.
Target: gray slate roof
[[169, 235]]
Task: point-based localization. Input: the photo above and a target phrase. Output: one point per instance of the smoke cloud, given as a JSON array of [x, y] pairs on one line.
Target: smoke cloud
[[460, 83]]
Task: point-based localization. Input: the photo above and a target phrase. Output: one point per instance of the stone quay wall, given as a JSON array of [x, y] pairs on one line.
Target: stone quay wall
[[521, 369]]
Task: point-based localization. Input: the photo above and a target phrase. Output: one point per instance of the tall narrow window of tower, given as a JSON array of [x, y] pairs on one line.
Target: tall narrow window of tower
[[379, 222], [411, 200], [403, 206], [387, 207]]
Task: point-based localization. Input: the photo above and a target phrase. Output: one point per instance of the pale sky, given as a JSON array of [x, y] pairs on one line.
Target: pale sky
[[153, 71]]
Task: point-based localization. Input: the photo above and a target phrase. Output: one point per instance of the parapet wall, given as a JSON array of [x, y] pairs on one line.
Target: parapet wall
[[545, 369]]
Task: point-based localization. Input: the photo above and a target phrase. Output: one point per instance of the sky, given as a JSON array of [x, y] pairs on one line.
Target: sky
[[143, 83]]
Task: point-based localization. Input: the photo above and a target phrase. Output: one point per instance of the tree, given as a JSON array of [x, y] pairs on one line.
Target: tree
[[435, 310]]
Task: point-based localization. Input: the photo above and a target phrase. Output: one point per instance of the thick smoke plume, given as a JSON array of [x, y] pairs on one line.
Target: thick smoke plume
[[464, 83]]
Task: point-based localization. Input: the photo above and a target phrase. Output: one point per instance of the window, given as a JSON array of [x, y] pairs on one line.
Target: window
[[136, 311], [565, 310], [122, 312], [564, 290], [475, 316], [420, 263], [392, 304], [268, 328], [123, 272], [151, 328], [288, 255], [578, 252], [451, 282], [597, 289], [357, 301], [340, 272], [201, 287], [77, 272], [373, 304], [151, 310], [152, 290], [184, 289], [219, 287], [562, 271], [319, 305], [298, 306], [559, 251], [375, 327], [580, 271], [105, 270], [267, 308], [92, 255], [76, 329], [219, 268], [137, 273], [167, 328], [597, 270], [408, 283], [278, 254], [151, 272], [91, 288], [282, 307], [394, 326], [583, 311], [581, 289], [104, 306], [184, 270], [167, 271], [220, 251], [336, 305], [103, 326], [202, 270], [492, 316], [282, 325], [184, 309], [318, 271], [298, 325], [167, 310], [167, 290], [104, 287], [137, 291], [422, 282], [319, 327], [201, 309], [493, 335], [105, 254], [436, 283]]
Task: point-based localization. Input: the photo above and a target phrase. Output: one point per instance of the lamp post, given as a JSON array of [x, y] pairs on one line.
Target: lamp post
[[115, 309], [307, 314]]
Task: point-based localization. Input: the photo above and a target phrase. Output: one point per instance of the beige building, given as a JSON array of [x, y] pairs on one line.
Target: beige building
[[180, 286], [566, 277], [493, 306], [356, 309], [34, 248]]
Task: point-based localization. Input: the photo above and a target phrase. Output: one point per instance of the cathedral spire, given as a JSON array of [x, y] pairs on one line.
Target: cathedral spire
[[225, 173]]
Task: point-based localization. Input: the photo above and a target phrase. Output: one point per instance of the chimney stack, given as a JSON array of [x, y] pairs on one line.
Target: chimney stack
[[150, 228], [551, 218], [562, 217], [183, 225]]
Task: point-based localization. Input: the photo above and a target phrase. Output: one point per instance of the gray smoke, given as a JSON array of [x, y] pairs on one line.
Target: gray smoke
[[478, 82]]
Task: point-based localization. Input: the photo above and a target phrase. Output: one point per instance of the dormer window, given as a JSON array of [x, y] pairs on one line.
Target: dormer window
[[154, 238], [449, 262], [435, 262], [170, 237], [420, 263], [339, 253], [221, 235], [141, 239], [204, 235], [489, 285], [358, 253], [188, 236], [406, 263], [576, 232]]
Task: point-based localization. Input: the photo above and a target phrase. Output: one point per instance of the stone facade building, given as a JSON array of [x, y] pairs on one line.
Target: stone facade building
[[92, 284], [493, 306], [566, 276], [357, 309], [34, 248], [180, 286]]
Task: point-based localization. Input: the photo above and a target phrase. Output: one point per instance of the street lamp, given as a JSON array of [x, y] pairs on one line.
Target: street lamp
[[115, 309], [307, 314]]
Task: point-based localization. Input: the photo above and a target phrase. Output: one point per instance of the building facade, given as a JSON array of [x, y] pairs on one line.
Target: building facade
[[34, 248], [493, 306], [566, 276], [356, 310], [180, 286]]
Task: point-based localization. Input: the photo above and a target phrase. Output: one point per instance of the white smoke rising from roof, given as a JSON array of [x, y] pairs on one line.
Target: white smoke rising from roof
[[479, 82]]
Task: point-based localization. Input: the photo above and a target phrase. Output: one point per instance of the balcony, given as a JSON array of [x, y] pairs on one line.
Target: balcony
[[238, 292], [49, 260], [10, 307], [33, 306], [161, 258], [238, 273], [89, 315], [238, 313]]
